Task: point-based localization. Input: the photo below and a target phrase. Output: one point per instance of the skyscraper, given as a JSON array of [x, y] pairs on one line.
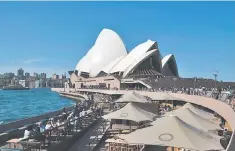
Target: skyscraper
[[35, 75], [55, 76], [9, 75], [43, 76], [27, 75], [20, 73]]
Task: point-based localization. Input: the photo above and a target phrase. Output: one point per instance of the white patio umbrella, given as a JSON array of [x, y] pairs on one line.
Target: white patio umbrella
[[199, 112], [194, 120], [173, 132], [162, 96], [132, 97], [131, 112]]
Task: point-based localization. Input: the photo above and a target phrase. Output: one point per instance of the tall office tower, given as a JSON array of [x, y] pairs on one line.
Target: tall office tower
[[27, 75], [20, 73]]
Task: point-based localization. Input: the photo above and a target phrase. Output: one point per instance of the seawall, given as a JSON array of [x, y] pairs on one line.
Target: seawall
[[69, 93], [31, 120], [71, 97]]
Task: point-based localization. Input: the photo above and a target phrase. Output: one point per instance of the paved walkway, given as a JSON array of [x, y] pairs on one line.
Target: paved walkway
[[82, 144], [219, 107]]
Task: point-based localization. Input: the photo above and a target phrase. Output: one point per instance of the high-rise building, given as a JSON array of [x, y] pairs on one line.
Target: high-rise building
[[55, 76], [35, 75], [9, 75], [27, 75], [20, 73], [63, 76], [43, 76]]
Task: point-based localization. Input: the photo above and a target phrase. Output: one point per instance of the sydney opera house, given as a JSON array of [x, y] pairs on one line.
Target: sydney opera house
[[109, 56], [108, 63]]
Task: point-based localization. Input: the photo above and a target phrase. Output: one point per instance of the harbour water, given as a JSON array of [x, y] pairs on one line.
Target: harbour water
[[19, 104]]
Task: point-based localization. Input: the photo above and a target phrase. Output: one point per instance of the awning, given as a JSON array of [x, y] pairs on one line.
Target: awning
[[131, 112], [193, 119], [132, 97], [172, 131]]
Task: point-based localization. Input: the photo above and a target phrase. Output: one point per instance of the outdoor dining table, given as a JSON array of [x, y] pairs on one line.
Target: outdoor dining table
[[13, 142]]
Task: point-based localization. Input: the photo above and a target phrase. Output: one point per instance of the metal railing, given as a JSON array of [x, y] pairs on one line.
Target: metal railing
[[98, 134], [55, 135]]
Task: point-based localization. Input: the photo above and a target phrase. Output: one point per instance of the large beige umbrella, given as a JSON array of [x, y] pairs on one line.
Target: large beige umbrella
[[194, 120], [161, 96], [150, 107], [173, 132], [132, 97], [199, 112], [131, 112]]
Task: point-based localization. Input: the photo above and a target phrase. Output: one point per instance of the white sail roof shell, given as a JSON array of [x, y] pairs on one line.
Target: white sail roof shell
[[132, 57], [112, 64], [108, 47], [139, 61], [165, 65], [166, 58]]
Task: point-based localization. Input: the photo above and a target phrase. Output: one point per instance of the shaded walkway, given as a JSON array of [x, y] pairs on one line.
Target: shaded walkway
[[82, 144]]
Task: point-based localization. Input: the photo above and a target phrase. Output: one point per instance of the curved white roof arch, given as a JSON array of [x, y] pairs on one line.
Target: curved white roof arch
[[169, 66], [108, 47], [138, 52], [141, 59], [109, 67]]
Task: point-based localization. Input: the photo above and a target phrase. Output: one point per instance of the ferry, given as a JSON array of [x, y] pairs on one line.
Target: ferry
[[15, 87]]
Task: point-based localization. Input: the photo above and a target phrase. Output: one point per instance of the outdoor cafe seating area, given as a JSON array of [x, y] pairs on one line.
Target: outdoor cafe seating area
[[185, 128], [50, 137]]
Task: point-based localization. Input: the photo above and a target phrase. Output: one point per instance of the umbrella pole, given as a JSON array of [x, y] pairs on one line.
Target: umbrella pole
[[130, 126]]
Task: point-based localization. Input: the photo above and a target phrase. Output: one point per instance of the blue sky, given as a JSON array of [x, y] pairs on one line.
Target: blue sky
[[53, 36]]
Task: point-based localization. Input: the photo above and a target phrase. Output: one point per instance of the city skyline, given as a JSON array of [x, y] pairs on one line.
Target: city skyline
[[57, 35], [32, 73], [35, 80]]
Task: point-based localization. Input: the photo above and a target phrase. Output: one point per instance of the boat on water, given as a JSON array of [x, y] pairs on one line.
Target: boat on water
[[15, 87]]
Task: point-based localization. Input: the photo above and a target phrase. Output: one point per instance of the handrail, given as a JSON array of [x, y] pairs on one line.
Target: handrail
[[49, 131], [143, 146], [103, 123], [22, 122]]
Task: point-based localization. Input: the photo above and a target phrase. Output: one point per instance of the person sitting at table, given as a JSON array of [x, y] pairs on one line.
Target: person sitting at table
[[75, 111], [38, 133], [48, 125], [53, 123], [58, 122], [28, 132], [41, 127], [76, 122]]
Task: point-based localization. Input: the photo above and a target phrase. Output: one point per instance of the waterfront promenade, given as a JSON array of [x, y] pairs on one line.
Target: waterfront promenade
[[217, 106], [71, 127]]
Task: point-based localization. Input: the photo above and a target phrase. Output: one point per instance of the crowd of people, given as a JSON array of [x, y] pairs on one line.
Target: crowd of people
[[164, 108], [63, 123]]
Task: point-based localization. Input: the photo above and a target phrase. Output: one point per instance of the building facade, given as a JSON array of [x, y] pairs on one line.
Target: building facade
[[20, 74]]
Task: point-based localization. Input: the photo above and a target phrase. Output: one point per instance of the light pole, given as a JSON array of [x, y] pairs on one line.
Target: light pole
[[194, 85], [174, 82], [215, 75]]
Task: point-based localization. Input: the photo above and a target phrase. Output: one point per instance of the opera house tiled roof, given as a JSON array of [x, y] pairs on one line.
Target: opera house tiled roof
[[109, 56]]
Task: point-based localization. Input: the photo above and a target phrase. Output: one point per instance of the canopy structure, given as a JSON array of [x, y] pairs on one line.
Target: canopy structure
[[150, 107], [194, 120], [173, 132], [199, 112], [131, 112], [132, 97], [162, 96]]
